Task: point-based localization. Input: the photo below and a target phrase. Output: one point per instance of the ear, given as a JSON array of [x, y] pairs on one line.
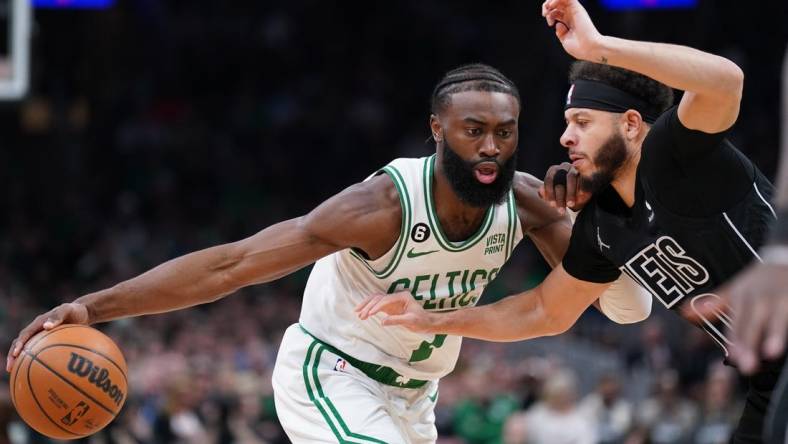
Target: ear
[[633, 124], [436, 128]]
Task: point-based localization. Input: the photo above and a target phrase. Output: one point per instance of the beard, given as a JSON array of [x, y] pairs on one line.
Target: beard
[[611, 156], [461, 177]]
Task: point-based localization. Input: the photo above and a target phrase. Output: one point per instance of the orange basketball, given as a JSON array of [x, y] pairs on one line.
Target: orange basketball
[[69, 382]]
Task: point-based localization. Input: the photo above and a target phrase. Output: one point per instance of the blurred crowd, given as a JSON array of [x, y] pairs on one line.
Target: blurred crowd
[[157, 128], [202, 376]]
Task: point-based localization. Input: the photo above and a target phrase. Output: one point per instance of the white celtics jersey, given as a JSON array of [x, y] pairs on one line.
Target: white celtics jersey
[[440, 274]]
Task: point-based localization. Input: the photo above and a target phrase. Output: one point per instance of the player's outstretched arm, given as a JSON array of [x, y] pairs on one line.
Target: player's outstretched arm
[[549, 309], [365, 215], [712, 84], [624, 302]]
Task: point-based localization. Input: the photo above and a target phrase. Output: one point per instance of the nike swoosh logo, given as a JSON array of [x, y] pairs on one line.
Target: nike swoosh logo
[[412, 254], [433, 397]]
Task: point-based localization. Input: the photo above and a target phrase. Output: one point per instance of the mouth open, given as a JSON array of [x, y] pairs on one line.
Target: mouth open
[[486, 172]]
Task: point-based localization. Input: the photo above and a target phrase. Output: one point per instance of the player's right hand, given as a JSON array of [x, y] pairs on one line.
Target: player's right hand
[[758, 298], [69, 313], [401, 309], [574, 28], [561, 188]]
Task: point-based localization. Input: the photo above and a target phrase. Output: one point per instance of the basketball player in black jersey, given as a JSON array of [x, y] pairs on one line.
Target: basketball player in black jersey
[[674, 204]]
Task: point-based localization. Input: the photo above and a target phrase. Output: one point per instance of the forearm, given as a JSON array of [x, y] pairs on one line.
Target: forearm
[[515, 318], [679, 67], [206, 275], [189, 280], [552, 240]]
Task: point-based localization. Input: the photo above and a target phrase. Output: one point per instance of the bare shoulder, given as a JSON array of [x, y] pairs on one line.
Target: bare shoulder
[[533, 211], [366, 215], [376, 197]]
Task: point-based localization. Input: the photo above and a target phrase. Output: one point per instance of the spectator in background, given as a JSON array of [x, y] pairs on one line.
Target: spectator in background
[[515, 430], [653, 352], [480, 416], [556, 419], [6, 410], [611, 413], [719, 410], [669, 417]]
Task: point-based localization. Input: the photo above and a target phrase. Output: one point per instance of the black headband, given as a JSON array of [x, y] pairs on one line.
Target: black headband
[[597, 95]]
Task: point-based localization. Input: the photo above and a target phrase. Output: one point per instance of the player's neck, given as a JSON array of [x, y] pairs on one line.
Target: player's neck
[[624, 183]]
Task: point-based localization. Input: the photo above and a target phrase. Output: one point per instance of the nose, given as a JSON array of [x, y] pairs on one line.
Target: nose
[[568, 138], [488, 147]]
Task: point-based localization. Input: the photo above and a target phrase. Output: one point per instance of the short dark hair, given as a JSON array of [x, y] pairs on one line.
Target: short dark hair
[[658, 96], [473, 77]]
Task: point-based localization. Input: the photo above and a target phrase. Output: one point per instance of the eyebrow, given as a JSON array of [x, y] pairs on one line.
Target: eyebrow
[[474, 121], [509, 122], [578, 115]]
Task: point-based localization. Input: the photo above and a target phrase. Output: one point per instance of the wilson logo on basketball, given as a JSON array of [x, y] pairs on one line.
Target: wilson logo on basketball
[[84, 368]]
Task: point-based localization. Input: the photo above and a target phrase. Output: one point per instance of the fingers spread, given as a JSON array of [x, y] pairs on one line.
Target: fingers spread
[[52, 322], [367, 306], [25, 336], [16, 346], [360, 306], [393, 304], [749, 326], [709, 308], [9, 360], [776, 331]]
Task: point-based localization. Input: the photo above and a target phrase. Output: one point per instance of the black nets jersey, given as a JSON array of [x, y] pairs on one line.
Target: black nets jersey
[[701, 212]]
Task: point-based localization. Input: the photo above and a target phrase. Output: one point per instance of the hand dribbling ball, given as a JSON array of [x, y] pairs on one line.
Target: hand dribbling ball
[[69, 382]]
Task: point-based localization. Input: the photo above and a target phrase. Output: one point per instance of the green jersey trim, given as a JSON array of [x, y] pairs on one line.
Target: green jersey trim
[[432, 215], [512, 227], [407, 215]]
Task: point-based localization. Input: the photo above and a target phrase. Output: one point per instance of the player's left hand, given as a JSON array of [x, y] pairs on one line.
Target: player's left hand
[[401, 309], [562, 188], [758, 299], [573, 27]]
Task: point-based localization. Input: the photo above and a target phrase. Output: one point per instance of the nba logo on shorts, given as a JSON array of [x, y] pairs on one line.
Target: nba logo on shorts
[[340, 365]]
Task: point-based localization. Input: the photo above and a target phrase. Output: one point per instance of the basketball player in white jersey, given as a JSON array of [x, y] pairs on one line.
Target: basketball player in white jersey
[[440, 227]]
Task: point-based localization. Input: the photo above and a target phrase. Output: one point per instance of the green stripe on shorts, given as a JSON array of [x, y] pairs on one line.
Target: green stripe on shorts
[[333, 416]]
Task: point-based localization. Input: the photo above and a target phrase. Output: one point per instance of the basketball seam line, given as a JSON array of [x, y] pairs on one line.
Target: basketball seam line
[[26, 351], [49, 332], [35, 358], [90, 350], [29, 345], [40, 407], [16, 378]]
